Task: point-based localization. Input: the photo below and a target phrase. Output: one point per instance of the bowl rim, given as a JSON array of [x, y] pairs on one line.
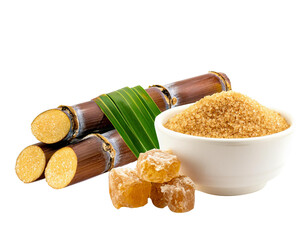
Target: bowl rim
[[163, 116]]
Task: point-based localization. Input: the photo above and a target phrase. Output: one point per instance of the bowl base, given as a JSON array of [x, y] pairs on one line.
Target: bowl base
[[230, 191]]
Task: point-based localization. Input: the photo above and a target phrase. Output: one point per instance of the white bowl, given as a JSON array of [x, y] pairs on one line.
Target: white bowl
[[225, 166]]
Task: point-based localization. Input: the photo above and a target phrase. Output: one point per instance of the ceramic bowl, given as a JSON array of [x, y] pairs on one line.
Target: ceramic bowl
[[225, 166]]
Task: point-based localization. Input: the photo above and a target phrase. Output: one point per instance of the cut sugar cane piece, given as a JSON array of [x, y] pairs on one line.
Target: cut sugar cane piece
[[31, 162], [77, 162], [51, 126], [87, 117], [96, 154], [84, 118], [61, 168]]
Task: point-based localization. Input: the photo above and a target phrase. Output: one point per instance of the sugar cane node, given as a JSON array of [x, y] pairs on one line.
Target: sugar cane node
[[225, 82], [107, 146], [75, 122], [170, 100]]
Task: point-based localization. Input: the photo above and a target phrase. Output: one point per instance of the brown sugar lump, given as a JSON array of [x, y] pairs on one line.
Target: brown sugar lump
[[178, 194], [157, 166], [126, 189], [227, 114], [157, 196]]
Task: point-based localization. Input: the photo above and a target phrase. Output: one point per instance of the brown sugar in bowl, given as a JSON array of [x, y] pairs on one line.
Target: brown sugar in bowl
[[225, 166]]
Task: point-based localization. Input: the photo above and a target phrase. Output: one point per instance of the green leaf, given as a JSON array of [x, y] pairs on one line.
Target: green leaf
[[135, 115], [115, 117], [147, 113], [132, 112], [147, 100]]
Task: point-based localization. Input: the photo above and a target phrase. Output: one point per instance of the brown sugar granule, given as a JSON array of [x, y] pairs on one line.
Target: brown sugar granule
[[127, 189], [178, 194], [157, 166], [227, 114]]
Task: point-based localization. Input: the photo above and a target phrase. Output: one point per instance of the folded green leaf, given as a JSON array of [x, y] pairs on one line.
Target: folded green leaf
[[132, 112], [119, 123], [136, 116], [147, 100]]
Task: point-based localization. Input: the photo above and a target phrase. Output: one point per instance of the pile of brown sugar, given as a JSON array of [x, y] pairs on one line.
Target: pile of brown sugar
[[227, 114]]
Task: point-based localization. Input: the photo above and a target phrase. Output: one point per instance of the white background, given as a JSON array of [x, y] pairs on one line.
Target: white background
[[67, 52]]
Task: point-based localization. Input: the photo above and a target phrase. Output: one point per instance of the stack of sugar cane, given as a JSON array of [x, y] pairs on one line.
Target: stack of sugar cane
[[79, 142]]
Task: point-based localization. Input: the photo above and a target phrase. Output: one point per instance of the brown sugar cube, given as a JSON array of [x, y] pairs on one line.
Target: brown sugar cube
[[157, 196], [127, 189], [179, 193], [157, 166]]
